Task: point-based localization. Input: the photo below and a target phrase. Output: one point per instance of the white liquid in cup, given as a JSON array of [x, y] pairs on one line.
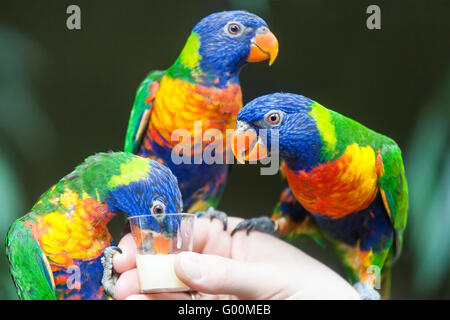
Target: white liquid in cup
[[156, 273]]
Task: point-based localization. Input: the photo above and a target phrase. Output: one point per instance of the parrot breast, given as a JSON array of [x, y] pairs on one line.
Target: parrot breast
[[179, 104], [204, 113], [346, 185]]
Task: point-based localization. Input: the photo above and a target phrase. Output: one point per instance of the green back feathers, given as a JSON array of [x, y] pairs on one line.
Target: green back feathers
[[187, 64], [338, 132], [96, 176]]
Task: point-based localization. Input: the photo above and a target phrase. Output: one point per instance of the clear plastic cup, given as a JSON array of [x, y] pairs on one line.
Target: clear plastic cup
[[159, 238]]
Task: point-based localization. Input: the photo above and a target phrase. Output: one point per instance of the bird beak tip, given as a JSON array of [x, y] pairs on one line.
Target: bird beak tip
[[265, 46]]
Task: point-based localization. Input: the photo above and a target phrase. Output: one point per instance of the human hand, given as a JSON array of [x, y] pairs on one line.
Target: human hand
[[257, 266]]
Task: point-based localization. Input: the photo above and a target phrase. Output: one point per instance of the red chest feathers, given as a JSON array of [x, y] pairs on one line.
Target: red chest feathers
[[346, 185]]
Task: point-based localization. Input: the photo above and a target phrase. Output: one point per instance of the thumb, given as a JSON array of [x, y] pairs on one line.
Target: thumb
[[218, 275]]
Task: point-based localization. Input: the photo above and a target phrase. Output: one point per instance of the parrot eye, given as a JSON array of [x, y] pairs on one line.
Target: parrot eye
[[234, 28], [273, 118], [158, 208]]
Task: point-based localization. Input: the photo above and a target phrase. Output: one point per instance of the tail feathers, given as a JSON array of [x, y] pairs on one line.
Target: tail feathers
[[385, 280]]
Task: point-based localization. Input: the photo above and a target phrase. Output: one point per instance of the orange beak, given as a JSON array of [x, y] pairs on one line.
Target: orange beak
[[246, 145], [264, 46]]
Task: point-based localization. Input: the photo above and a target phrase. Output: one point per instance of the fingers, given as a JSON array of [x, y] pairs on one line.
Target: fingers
[[262, 267], [127, 259], [210, 238], [160, 296], [218, 275], [127, 287], [127, 284]]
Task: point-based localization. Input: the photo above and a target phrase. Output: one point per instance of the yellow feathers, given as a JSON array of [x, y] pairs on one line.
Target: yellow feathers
[[324, 124], [68, 198], [190, 56], [361, 161], [130, 171], [76, 232]]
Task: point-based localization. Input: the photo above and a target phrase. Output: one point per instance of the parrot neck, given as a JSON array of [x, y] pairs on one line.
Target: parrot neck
[[191, 66], [301, 146], [306, 160], [205, 75], [312, 139]]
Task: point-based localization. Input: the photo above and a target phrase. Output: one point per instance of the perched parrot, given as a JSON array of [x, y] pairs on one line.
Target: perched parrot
[[346, 182], [200, 89], [56, 251]]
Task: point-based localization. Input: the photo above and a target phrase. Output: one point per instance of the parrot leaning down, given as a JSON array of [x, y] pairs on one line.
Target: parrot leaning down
[[56, 250], [346, 183], [202, 86]]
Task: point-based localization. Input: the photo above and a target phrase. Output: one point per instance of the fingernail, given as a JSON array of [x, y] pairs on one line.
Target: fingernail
[[191, 265]]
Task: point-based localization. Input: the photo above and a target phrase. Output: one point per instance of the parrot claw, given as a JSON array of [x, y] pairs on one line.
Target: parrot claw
[[366, 291], [263, 224], [212, 213], [109, 275]]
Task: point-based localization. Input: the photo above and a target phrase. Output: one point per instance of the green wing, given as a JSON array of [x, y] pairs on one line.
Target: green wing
[[29, 267], [394, 190], [140, 114]]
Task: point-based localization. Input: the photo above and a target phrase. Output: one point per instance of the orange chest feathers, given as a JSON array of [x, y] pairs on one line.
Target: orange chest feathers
[[335, 189], [182, 105]]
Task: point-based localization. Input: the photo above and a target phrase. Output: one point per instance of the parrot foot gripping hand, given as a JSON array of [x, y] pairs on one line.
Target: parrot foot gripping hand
[[263, 224], [212, 213], [109, 275], [366, 291]]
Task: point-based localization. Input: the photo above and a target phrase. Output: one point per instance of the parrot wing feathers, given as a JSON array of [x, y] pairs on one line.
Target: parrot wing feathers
[[140, 113], [29, 266], [394, 190]]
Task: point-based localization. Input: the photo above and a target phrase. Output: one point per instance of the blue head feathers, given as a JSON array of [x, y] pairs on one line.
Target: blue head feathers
[[221, 43], [155, 194], [288, 114]]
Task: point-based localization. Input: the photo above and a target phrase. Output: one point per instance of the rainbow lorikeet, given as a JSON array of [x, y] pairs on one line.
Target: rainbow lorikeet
[[56, 250], [346, 182], [200, 92]]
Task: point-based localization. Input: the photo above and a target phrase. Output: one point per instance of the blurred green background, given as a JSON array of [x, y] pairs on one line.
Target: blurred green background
[[65, 95]]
